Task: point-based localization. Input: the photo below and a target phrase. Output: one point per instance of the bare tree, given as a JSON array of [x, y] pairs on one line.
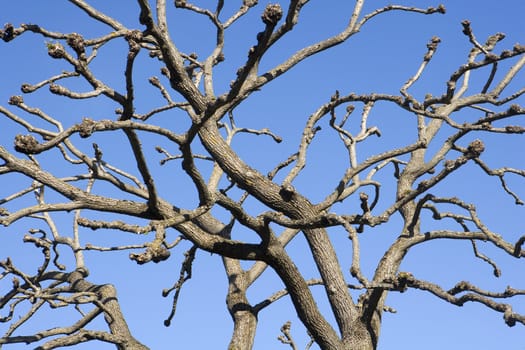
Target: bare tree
[[67, 168]]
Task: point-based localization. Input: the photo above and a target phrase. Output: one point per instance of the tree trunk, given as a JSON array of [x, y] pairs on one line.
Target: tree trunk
[[242, 313], [364, 335], [245, 325]]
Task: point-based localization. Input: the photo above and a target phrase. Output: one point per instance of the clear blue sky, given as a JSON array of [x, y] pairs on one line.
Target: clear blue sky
[[380, 58]]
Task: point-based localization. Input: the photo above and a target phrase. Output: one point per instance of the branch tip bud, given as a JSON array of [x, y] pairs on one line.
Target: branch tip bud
[[26, 144], [272, 14]]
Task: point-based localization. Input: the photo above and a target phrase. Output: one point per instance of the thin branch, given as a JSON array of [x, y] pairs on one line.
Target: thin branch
[[476, 295], [184, 275], [97, 15]]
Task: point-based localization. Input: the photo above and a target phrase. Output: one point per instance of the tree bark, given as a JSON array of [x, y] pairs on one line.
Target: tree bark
[[363, 336], [243, 315], [111, 308]]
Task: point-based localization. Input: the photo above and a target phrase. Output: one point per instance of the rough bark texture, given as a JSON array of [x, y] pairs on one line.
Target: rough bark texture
[[243, 314], [197, 129]]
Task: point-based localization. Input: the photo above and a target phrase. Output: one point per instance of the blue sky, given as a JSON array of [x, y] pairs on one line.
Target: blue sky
[[380, 58]]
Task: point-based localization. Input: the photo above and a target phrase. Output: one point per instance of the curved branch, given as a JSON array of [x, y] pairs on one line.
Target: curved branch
[[476, 295], [97, 15]]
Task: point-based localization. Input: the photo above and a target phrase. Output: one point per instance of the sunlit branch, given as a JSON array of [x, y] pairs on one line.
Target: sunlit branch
[[286, 337], [87, 128], [432, 47], [281, 293], [245, 7], [62, 91], [355, 268], [154, 81], [477, 254], [184, 275], [475, 295], [120, 225], [353, 27], [174, 63], [26, 124], [430, 10], [500, 173], [28, 88], [97, 15], [8, 339], [28, 211], [341, 190], [472, 65]]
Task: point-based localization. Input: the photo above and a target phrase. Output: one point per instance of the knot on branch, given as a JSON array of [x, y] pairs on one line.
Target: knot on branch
[[491, 57], [467, 30], [86, 128], [494, 39], [58, 90], [16, 283], [55, 50], [515, 109], [154, 53], [220, 58], [509, 317], [432, 47], [440, 9], [27, 88], [155, 253], [249, 3], [26, 144], [517, 246], [434, 42], [38, 242], [8, 33], [180, 3], [6, 264], [252, 51], [506, 54], [518, 49], [16, 100], [76, 42], [83, 271], [363, 197], [453, 164], [287, 191], [402, 281], [134, 37], [272, 14], [474, 149], [514, 129], [154, 81], [165, 71]]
